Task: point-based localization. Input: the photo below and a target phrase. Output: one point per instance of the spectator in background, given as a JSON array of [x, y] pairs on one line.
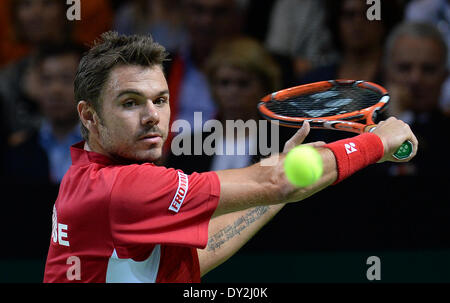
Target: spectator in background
[[358, 40], [240, 72], [34, 165], [436, 12], [297, 30], [207, 22], [415, 70], [360, 45], [43, 156], [29, 23], [36, 23], [160, 18], [415, 67], [41, 19]]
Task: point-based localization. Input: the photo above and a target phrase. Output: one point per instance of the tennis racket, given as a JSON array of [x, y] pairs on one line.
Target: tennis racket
[[346, 105]]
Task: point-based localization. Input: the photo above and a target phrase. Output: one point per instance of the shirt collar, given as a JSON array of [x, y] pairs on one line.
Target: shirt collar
[[81, 157]]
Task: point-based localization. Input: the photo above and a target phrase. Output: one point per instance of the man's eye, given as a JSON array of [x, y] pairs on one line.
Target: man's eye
[[403, 67], [129, 103], [429, 69], [160, 100]]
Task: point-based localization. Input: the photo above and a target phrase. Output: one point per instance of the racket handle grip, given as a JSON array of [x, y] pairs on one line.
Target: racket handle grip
[[403, 152]]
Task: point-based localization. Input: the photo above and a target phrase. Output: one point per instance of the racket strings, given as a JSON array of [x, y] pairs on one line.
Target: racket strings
[[334, 101]]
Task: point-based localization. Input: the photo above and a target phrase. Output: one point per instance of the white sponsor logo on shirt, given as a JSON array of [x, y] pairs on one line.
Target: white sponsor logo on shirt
[[175, 205]]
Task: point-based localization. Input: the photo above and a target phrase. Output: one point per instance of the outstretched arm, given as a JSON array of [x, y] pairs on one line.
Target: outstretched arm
[[229, 232], [251, 196], [259, 185]]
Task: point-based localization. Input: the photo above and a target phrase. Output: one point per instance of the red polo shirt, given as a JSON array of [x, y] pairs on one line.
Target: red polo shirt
[[117, 222]]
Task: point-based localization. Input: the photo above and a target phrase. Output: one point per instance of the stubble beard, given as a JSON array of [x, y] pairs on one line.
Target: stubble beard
[[128, 150]]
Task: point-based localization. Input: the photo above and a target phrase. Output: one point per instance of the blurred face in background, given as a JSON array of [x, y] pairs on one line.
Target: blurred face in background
[[57, 101], [417, 65], [237, 92], [208, 21], [356, 32], [41, 21]]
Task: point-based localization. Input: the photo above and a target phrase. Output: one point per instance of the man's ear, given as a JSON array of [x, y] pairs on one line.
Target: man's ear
[[86, 114]]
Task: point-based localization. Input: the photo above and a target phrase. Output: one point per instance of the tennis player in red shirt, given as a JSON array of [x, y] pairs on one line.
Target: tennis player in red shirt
[[120, 218]]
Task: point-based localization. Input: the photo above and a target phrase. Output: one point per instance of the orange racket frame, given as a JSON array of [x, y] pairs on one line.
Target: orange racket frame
[[344, 122]]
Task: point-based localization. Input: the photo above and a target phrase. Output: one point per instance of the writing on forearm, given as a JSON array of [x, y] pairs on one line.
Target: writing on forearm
[[230, 231]]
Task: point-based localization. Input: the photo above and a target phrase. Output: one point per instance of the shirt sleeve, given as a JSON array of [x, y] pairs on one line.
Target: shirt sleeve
[[156, 205]]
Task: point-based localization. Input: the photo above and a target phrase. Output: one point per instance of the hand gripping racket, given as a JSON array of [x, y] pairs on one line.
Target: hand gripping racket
[[345, 105]]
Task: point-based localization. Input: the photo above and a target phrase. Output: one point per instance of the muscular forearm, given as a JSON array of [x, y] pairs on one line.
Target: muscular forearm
[[266, 185], [229, 232]]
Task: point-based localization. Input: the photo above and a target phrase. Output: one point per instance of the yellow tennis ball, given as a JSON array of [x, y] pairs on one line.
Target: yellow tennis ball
[[303, 165]]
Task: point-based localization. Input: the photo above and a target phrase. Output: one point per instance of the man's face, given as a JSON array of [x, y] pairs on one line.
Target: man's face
[[209, 20], [237, 92], [57, 75], [417, 66], [41, 20], [356, 31], [134, 114]]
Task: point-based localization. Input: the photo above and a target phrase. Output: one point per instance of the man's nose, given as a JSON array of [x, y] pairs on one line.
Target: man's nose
[[415, 76], [150, 114], [55, 88]]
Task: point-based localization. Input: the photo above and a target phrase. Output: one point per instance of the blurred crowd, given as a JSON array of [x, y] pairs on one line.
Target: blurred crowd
[[224, 56]]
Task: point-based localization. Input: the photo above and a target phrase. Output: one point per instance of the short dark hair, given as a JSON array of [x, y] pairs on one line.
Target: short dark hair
[[416, 30], [112, 50]]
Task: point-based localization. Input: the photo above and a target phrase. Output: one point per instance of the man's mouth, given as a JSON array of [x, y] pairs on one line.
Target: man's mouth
[[151, 138]]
